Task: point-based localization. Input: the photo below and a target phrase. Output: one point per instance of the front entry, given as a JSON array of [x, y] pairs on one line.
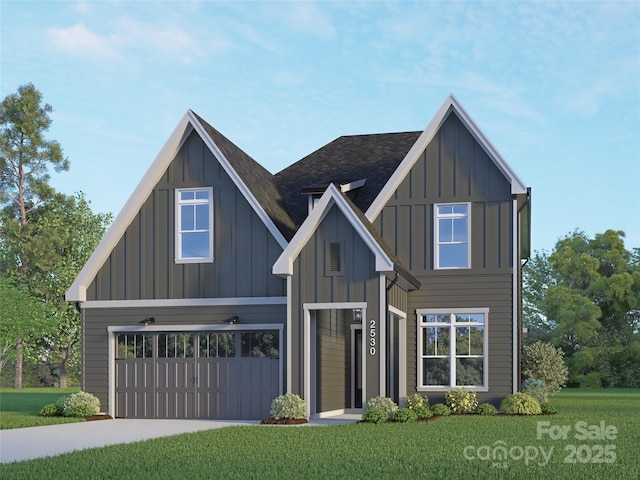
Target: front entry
[[356, 366], [221, 375]]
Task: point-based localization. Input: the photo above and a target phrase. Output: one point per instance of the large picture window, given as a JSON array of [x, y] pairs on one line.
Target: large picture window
[[452, 348], [194, 225], [452, 234]]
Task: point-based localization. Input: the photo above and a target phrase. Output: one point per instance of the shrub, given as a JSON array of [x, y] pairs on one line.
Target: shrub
[[288, 405], [51, 410], [405, 415], [79, 411], [486, 409], [461, 400], [383, 403], [417, 400], [532, 382], [423, 412], [545, 362], [539, 393], [547, 408], [81, 404], [375, 415], [520, 404], [441, 410]]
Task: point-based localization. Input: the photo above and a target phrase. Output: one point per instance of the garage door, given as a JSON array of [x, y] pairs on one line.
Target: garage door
[[219, 375]]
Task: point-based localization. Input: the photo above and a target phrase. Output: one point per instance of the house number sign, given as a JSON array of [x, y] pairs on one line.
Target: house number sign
[[372, 337]]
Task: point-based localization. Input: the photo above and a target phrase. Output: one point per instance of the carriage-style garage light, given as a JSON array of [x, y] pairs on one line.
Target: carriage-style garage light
[[357, 315], [148, 320], [233, 319]]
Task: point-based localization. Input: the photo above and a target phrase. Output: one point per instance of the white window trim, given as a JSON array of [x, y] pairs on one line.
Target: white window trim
[[452, 385], [178, 237], [436, 247]]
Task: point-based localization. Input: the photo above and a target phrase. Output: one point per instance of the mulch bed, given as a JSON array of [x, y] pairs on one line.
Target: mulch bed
[[92, 418], [283, 421]]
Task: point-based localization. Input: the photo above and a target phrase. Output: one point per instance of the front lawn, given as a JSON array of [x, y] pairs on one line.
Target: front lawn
[[595, 435], [20, 408]]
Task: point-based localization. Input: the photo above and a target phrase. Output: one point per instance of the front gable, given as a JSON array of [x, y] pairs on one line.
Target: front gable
[[136, 260]]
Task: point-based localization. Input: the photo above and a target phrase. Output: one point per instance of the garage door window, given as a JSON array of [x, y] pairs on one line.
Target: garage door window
[[134, 346], [175, 345], [260, 344], [217, 345]]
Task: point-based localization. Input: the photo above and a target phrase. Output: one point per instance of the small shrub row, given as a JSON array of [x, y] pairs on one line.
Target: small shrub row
[[81, 404]]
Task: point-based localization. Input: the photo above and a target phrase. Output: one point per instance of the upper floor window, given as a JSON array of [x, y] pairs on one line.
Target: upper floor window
[[194, 225], [452, 234]]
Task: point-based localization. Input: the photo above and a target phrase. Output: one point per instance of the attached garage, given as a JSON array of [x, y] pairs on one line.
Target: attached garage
[[230, 374]]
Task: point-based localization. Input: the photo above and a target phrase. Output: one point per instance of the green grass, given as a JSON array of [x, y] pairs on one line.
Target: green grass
[[20, 408], [396, 451]]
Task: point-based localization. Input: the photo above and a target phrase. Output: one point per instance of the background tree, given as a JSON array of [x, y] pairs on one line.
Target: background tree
[[585, 298], [69, 231], [25, 157], [21, 315]]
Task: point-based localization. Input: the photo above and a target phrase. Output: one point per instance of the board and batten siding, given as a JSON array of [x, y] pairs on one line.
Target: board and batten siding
[[95, 359], [359, 282], [142, 265], [333, 364], [454, 168]]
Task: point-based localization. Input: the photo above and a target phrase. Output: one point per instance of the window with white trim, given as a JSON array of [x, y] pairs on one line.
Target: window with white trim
[[194, 225], [452, 235], [452, 346]]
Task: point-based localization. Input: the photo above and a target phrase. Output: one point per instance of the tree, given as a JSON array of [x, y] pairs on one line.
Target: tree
[[20, 315], [585, 298], [72, 231], [25, 157]]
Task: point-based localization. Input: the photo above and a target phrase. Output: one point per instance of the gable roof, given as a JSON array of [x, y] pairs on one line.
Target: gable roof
[[255, 183], [450, 105], [344, 160], [385, 260]]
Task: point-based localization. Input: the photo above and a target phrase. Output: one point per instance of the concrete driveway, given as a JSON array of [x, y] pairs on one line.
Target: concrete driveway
[[36, 442]]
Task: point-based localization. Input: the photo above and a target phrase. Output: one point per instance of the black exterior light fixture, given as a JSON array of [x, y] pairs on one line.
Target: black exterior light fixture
[[231, 320], [357, 315], [148, 320]]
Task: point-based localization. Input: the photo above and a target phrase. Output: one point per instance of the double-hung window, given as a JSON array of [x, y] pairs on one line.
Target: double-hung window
[[452, 346], [453, 246], [194, 225]]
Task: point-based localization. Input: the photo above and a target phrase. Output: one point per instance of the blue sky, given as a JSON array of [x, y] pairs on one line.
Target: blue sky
[[554, 86]]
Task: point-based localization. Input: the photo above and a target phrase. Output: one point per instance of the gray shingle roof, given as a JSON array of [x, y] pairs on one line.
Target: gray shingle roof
[[258, 179], [346, 159]]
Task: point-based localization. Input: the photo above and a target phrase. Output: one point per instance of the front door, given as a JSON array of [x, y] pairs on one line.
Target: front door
[[356, 367]]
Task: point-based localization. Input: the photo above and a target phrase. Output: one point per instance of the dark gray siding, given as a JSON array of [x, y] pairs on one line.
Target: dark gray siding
[[310, 284], [95, 335], [477, 291], [455, 168], [397, 297], [333, 363], [142, 264]]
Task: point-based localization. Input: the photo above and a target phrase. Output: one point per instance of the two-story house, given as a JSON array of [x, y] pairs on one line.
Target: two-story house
[[382, 264]]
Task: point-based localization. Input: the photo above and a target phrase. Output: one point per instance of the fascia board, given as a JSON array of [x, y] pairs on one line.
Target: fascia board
[[450, 104], [517, 185], [77, 292], [238, 181], [284, 264]]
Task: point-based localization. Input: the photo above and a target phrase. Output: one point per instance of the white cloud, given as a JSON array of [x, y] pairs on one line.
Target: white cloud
[[307, 17], [80, 41]]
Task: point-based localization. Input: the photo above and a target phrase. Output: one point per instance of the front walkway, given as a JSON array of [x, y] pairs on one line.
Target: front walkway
[[36, 442]]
